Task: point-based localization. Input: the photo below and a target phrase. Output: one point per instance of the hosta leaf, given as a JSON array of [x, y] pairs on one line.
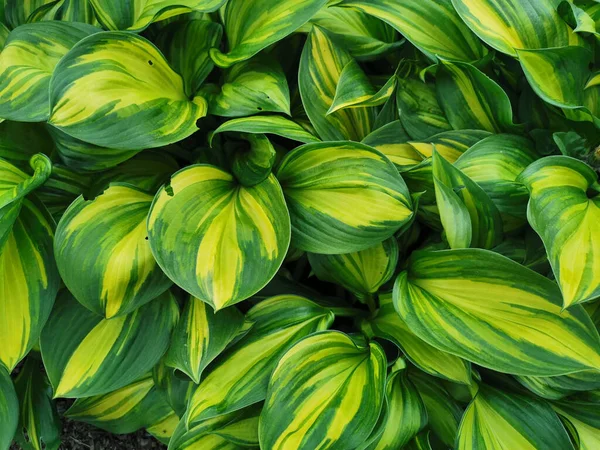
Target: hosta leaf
[[419, 110], [326, 392], [86, 355], [27, 61], [457, 194], [119, 15], [29, 279], [361, 272], [277, 125], [582, 418], [564, 209], [103, 255], [124, 410], [449, 144], [343, 197], [520, 328], [515, 24], [420, 442], [388, 324], [406, 414], [239, 377], [146, 105], [472, 100], [253, 159], [494, 163], [443, 412], [364, 36], [185, 44], [19, 141], [430, 25], [232, 431], [218, 240], [65, 10], [498, 420], [252, 25], [9, 409], [175, 389], [80, 155], [250, 87], [392, 141], [17, 12], [62, 187], [201, 335], [321, 67], [39, 424], [164, 428]]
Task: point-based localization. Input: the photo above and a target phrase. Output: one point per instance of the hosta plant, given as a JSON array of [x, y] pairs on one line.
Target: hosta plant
[[301, 224]]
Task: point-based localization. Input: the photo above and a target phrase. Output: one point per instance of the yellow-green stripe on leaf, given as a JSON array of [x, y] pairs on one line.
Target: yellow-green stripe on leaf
[[86, 355], [9, 409], [29, 279], [164, 428], [174, 388], [433, 26], [343, 197], [443, 411], [392, 140], [321, 66], [27, 61], [240, 376], [470, 99], [517, 326], [218, 240], [137, 15], [361, 272], [406, 413], [564, 209], [449, 144], [494, 164], [267, 124], [250, 87], [498, 420], [39, 423], [326, 392], [185, 44], [201, 335], [581, 417], [16, 12], [123, 410], [116, 90], [507, 25], [103, 254], [233, 431], [65, 10], [468, 215], [252, 25], [388, 324], [363, 35]]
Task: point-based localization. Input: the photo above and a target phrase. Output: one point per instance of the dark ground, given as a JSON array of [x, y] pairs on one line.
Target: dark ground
[[81, 436]]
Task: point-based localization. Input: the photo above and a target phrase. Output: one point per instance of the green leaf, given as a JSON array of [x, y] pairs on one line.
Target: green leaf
[[326, 392], [250, 87], [65, 10], [62, 187], [388, 324], [85, 355], [496, 419], [185, 45], [470, 99], [321, 67], [240, 376], [103, 255], [521, 328], [564, 209], [582, 418], [9, 409], [201, 335], [342, 196], [393, 141], [19, 141], [39, 423], [146, 107], [361, 272], [124, 410], [17, 12], [220, 241], [267, 124], [252, 25], [118, 15], [27, 61], [430, 25]]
